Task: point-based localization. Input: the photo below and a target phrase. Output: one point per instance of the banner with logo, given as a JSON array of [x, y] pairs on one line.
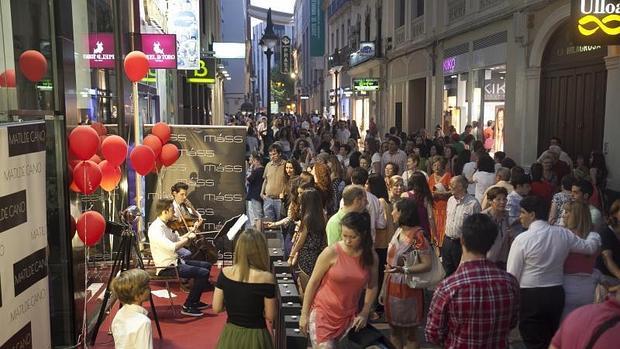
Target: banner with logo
[[24, 296], [100, 50], [596, 22], [212, 163], [285, 55], [184, 21], [160, 50]]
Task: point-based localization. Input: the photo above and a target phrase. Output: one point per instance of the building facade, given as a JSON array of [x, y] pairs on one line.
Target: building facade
[[236, 24]]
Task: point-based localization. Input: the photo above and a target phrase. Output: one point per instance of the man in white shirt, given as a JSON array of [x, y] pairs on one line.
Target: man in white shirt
[[359, 176], [164, 252], [536, 259], [395, 155], [342, 133], [131, 327], [460, 206]]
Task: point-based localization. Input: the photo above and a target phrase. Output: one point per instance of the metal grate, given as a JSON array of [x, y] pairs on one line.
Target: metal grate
[[456, 50], [491, 40]]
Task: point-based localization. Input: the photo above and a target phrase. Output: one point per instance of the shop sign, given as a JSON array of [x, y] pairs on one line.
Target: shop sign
[[304, 97], [100, 50], [183, 20], [366, 51], [161, 50], [366, 84], [449, 64], [205, 74], [596, 21], [285, 55], [495, 90]]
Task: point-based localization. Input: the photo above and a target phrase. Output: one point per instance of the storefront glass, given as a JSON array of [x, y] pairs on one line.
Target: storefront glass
[[489, 98], [455, 101]]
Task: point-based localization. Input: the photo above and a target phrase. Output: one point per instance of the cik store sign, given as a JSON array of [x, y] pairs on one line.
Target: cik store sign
[[596, 21]]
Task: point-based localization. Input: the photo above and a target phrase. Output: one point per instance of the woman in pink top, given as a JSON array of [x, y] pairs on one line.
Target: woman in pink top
[[340, 274], [579, 284]]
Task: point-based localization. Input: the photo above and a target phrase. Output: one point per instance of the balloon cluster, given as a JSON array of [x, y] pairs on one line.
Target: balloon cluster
[[95, 159], [155, 151]]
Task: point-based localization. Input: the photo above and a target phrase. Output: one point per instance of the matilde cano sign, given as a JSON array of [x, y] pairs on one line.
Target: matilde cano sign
[[596, 21]]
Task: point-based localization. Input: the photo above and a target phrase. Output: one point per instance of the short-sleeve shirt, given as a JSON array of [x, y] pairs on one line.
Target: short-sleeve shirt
[[244, 301], [580, 325], [609, 241], [334, 229], [275, 177]]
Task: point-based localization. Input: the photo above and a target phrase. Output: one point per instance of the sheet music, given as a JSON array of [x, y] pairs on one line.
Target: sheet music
[[236, 227]]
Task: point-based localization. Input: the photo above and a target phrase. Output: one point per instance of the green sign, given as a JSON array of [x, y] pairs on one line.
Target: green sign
[[205, 74], [151, 76], [366, 84], [317, 29], [45, 85]]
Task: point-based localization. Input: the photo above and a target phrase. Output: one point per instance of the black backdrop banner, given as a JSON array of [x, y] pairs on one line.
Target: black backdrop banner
[[212, 163]]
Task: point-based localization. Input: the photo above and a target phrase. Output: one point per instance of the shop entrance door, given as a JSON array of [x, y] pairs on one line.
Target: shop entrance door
[[572, 95], [417, 105]]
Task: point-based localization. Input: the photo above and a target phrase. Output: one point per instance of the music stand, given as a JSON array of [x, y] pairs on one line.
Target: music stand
[[232, 227], [122, 262]]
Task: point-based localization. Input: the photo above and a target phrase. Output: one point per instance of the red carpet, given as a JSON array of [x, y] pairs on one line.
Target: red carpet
[[178, 331]]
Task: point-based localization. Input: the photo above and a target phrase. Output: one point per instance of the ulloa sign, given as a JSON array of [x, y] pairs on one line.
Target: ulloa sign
[[597, 21]]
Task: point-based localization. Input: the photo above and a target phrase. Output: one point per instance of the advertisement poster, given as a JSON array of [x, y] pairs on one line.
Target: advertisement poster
[[160, 50], [212, 163], [184, 21], [24, 294]]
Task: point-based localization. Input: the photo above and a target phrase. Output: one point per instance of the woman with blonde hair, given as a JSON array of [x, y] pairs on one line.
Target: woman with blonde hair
[[246, 291], [579, 283], [396, 187]]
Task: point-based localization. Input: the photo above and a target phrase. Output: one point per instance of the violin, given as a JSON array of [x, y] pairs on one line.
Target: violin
[[201, 248], [183, 223]]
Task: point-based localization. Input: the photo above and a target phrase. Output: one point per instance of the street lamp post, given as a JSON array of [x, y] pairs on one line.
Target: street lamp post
[[336, 68], [268, 42]]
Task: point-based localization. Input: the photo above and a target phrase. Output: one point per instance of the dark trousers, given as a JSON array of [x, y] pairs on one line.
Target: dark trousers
[[382, 254], [541, 310], [197, 270], [451, 252]]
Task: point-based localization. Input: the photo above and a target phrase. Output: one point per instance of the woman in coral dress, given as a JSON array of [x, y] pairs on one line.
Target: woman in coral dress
[[439, 183]]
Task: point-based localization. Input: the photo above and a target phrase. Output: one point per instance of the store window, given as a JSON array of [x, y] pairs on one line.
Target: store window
[[455, 102], [489, 98]]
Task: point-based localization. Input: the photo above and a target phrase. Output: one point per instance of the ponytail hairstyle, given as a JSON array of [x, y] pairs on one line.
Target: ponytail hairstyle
[[360, 223]]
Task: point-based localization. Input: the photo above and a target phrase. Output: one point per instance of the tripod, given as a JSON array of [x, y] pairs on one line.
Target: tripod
[[122, 260]]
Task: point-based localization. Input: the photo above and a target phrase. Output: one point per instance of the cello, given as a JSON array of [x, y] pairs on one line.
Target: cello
[[201, 248]]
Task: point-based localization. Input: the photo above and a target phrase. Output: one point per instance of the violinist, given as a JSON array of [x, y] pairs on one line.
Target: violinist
[[164, 254], [186, 219]]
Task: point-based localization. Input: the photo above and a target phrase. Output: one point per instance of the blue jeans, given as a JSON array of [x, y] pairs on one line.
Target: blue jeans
[[255, 211], [197, 270], [271, 209]]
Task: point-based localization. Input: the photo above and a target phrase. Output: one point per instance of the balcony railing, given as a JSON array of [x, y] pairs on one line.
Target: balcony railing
[[456, 10], [400, 35], [417, 28]]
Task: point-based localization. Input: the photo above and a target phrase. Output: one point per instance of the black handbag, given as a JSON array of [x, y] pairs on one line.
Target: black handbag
[[363, 338]]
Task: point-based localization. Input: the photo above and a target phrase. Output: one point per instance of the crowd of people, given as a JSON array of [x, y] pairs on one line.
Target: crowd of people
[[365, 219]]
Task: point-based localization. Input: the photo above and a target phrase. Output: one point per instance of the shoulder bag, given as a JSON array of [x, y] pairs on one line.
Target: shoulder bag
[[428, 279]]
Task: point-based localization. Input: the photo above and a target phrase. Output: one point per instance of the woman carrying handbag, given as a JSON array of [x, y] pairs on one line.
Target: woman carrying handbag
[[404, 305]]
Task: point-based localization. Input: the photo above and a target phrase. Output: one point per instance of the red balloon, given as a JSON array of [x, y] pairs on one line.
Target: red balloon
[[142, 159], [100, 128], [169, 154], [136, 66], [110, 175], [87, 176], [114, 149], [72, 227], [83, 142], [7, 79], [162, 131], [154, 143], [95, 158], [90, 227], [74, 187], [33, 65], [101, 139]]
